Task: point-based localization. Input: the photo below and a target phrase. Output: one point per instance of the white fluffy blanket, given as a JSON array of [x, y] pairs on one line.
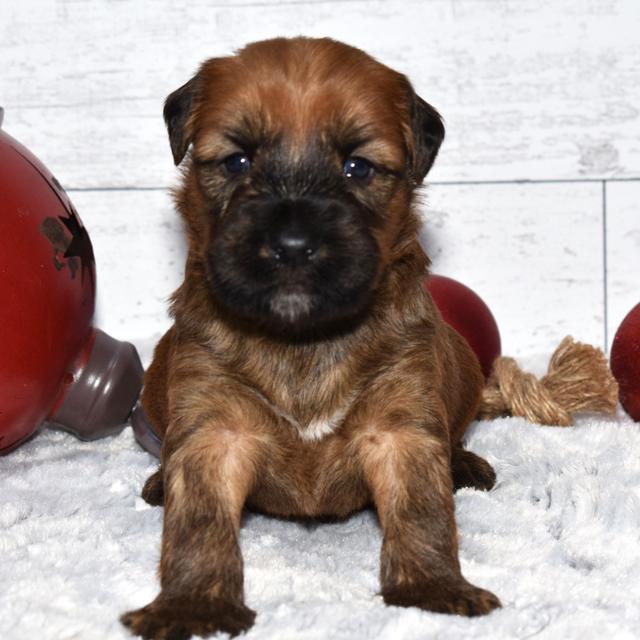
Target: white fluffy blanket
[[558, 539]]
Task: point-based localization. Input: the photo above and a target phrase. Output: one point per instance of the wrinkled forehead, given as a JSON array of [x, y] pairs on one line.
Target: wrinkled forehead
[[336, 100]]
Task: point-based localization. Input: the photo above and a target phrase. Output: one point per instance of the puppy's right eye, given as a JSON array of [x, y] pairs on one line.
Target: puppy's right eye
[[237, 163], [357, 168]]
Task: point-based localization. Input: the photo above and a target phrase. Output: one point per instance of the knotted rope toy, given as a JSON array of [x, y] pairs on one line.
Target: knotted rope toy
[[578, 379]]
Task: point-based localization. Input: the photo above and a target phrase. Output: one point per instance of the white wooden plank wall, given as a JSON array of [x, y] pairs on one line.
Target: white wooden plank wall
[[535, 198]]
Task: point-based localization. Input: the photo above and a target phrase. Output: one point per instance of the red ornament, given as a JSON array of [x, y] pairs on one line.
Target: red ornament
[[53, 364], [625, 362], [467, 313]]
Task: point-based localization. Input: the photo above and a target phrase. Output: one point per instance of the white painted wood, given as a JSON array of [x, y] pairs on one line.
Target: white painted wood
[[623, 255], [98, 145], [536, 89], [533, 253], [140, 254]]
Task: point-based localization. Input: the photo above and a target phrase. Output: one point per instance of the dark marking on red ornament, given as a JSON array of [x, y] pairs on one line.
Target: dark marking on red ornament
[[55, 232], [80, 244]]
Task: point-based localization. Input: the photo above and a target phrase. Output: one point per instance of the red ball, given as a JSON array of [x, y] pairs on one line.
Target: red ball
[[625, 362], [54, 365], [467, 313], [47, 288]]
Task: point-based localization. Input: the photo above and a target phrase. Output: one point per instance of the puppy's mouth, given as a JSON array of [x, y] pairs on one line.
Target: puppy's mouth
[[293, 266], [291, 305]]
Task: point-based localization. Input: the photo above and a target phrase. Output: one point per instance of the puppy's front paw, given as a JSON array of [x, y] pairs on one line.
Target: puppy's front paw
[[458, 596], [180, 618]]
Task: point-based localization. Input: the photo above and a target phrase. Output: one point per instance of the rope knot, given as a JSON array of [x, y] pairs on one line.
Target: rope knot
[[578, 379]]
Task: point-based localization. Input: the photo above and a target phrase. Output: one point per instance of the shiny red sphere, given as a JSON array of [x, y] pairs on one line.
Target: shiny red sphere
[[625, 362], [47, 288], [467, 313]]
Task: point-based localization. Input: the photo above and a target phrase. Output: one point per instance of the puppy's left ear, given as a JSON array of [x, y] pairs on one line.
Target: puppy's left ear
[[177, 112], [427, 133]]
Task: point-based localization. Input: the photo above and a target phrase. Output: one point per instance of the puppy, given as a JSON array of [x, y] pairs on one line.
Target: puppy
[[308, 372]]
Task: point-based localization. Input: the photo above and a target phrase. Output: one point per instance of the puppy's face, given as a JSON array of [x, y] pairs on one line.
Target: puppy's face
[[305, 154]]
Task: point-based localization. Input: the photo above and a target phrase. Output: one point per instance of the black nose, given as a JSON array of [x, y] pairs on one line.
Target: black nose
[[293, 245]]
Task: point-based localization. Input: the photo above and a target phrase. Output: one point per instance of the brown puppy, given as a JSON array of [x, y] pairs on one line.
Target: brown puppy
[[307, 373]]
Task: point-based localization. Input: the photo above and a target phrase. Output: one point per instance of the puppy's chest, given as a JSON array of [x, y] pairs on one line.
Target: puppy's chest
[[314, 422], [319, 428], [312, 403]]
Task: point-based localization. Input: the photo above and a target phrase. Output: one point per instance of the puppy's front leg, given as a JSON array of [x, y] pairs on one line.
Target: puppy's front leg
[[406, 465], [207, 479]]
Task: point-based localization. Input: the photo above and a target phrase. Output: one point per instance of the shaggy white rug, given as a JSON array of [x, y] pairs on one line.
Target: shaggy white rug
[[558, 539]]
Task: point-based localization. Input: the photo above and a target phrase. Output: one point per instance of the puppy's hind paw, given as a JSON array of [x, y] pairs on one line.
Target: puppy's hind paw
[[180, 618], [470, 470], [153, 490]]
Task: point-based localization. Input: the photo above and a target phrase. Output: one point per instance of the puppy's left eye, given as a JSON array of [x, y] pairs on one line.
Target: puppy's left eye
[[357, 168], [237, 163]]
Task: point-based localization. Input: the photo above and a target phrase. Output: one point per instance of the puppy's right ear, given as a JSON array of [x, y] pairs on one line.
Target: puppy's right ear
[[178, 108]]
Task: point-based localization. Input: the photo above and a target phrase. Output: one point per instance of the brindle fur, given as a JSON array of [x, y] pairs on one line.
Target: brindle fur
[[234, 400]]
